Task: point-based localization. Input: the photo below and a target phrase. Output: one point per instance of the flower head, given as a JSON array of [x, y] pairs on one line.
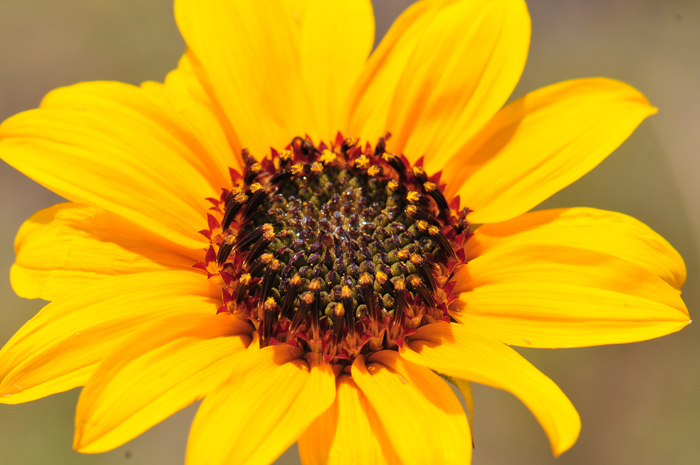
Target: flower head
[[313, 239]]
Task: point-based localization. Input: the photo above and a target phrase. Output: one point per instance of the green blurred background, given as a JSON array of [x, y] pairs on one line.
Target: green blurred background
[[639, 403]]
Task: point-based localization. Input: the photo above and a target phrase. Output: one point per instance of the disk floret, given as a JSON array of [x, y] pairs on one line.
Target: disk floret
[[337, 249]]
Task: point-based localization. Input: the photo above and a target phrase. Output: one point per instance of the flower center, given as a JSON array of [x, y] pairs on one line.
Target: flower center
[[338, 249]]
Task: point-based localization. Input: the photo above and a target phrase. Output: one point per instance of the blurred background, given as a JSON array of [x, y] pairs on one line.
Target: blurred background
[[639, 403]]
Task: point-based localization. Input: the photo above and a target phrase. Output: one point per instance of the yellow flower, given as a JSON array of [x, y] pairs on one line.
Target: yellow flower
[[314, 291]]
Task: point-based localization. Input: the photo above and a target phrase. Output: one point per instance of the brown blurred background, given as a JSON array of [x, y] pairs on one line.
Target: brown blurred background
[[639, 403]]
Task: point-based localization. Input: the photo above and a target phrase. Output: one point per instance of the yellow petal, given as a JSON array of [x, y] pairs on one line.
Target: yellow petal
[[156, 372], [465, 388], [586, 228], [541, 143], [369, 102], [459, 351], [249, 50], [61, 346], [336, 39], [270, 399], [348, 433], [110, 145], [186, 97], [68, 246], [540, 295], [158, 121], [423, 417], [443, 70]]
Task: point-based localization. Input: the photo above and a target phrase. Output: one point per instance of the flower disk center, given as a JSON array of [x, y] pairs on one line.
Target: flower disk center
[[339, 250]]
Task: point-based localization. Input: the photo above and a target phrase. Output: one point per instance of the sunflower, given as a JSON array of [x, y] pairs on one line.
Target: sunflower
[[315, 240]]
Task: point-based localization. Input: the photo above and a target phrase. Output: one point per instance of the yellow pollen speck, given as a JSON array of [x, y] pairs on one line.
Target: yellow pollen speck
[[328, 157], [430, 186], [362, 162], [285, 155], [433, 230], [411, 210], [268, 232], [297, 169], [422, 225], [413, 197], [256, 187], [374, 170], [270, 304], [350, 142], [403, 254], [345, 292], [316, 168], [365, 279], [393, 185], [389, 157]]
